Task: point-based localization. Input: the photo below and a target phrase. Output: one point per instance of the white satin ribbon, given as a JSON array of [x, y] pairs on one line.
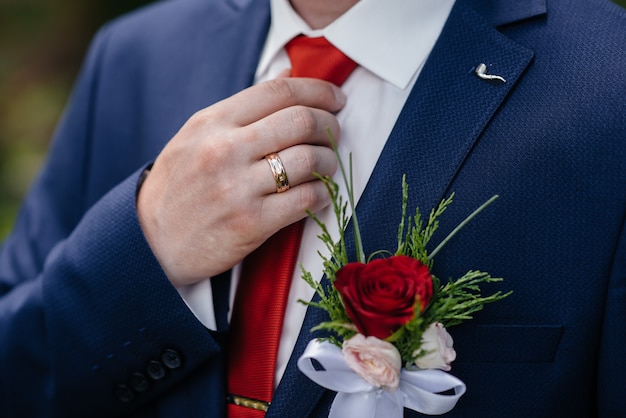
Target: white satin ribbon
[[418, 390]]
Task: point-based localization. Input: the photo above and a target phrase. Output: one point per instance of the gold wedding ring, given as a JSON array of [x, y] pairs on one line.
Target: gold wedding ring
[[278, 170]]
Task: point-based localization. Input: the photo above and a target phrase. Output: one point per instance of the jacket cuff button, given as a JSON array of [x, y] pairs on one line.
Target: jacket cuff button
[[139, 382], [171, 359], [155, 370], [124, 393]]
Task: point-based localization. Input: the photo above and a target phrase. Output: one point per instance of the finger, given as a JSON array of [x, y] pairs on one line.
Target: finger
[[301, 164], [284, 73], [288, 127], [281, 209], [261, 100]]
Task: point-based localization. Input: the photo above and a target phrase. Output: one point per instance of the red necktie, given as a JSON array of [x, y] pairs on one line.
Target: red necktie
[[266, 274]]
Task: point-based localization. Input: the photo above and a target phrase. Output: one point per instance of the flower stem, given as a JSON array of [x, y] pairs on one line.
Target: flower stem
[[461, 225], [360, 253]]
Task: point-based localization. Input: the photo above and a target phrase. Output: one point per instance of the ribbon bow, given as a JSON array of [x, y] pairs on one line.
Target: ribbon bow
[[418, 390]]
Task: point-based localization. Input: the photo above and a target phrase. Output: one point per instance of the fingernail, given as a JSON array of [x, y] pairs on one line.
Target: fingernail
[[340, 96]]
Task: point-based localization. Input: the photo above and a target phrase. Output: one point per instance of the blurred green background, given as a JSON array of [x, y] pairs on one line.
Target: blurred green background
[[42, 44]]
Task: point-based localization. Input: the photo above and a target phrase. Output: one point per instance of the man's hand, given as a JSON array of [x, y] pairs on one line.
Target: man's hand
[[210, 198]]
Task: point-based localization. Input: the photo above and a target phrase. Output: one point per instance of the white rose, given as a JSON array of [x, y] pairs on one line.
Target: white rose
[[437, 346], [376, 361]]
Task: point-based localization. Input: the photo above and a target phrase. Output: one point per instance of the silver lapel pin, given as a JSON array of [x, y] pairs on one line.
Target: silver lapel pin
[[481, 71]]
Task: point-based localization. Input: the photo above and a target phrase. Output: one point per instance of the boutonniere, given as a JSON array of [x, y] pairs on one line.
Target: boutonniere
[[388, 346]]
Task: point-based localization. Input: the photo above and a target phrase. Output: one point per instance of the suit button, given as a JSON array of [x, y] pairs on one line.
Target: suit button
[[171, 359], [155, 370], [124, 393], [139, 382]]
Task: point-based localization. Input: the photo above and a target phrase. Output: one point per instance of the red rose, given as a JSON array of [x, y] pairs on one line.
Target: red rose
[[381, 296]]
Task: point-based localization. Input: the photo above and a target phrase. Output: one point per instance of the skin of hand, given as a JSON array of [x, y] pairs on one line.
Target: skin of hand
[[210, 198]]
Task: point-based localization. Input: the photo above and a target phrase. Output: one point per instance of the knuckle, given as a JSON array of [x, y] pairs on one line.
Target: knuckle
[[244, 225], [309, 197], [242, 219], [307, 160], [193, 124], [303, 119], [282, 89], [201, 118], [216, 158], [212, 153], [204, 123]]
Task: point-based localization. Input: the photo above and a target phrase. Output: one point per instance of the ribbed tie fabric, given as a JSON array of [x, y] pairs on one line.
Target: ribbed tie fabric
[[266, 274], [318, 58]]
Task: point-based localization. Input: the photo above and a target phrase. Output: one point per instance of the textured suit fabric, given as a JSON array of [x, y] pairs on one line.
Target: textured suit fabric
[[85, 305]]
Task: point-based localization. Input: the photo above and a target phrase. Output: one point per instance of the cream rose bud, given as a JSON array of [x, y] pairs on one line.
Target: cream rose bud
[[376, 361], [437, 344]]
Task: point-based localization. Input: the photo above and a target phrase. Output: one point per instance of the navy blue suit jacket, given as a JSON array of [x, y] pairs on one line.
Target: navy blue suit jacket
[[87, 316]]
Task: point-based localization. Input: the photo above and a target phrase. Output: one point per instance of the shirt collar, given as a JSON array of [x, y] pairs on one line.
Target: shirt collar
[[390, 38]]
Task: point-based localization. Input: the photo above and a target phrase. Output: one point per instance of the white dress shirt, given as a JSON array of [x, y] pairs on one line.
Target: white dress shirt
[[390, 40]]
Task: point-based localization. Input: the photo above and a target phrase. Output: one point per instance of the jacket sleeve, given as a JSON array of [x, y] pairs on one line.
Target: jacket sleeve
[[89, 324]]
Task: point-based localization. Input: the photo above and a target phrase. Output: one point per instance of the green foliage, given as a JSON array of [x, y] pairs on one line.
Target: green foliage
[[42, 43], [459, 299], [330, 301], [418, 236], [452, 302]]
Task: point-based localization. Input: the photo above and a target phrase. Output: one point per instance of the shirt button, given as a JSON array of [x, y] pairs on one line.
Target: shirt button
[[171, 359], [155, 370], [124, 393], [139, 382]]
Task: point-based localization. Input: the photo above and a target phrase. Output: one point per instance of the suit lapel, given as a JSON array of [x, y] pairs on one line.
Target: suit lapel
[[227, 48], [443, 118]]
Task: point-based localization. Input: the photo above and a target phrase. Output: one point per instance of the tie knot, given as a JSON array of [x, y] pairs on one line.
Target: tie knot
[[318, 58]]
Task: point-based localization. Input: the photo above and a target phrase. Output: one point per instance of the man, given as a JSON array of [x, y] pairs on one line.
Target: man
[[115, 281]]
